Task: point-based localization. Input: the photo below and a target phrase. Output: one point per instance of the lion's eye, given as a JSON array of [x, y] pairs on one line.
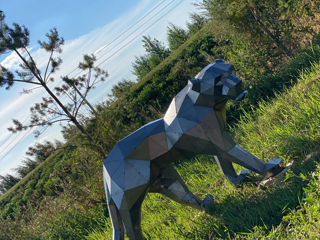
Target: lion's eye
[[222, 82]]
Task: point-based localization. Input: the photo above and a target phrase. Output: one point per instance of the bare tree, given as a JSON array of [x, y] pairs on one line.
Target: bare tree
[[51, 109]]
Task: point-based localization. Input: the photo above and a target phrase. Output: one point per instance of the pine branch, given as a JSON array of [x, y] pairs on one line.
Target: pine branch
[[45, 73], [33, 62], [20, 80], [28, 66], [59, 120], [80, 104], [54, 111]]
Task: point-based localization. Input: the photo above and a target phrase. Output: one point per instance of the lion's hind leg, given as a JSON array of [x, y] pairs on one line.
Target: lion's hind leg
[[118, 231], [171, 185], [131, 213]]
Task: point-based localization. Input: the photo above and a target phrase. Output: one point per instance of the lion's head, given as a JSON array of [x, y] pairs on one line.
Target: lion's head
[[217, 83]]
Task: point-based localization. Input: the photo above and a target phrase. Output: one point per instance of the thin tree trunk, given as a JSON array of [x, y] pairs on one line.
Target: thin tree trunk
[[74, 120], [70, 116], [264, 28]]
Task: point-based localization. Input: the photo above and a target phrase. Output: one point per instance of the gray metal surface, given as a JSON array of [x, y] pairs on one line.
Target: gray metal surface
[[195, 123]]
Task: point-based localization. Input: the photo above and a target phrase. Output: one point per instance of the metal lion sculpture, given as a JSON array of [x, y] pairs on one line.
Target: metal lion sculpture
[[195, 123]]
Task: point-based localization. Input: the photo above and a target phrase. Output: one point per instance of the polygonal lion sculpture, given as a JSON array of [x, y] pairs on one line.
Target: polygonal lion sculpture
[[195, 123]]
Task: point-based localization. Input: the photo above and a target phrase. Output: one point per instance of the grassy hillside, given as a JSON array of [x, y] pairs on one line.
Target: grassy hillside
[[63, 198], [287, 127]]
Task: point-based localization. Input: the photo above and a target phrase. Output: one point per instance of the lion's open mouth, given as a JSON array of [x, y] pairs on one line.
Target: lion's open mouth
[[241, 95]]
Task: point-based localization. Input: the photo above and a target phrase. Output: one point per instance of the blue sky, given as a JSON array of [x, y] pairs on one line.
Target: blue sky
[[87, 27], [72, 18]]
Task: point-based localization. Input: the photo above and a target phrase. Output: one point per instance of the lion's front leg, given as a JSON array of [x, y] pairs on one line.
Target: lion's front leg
[[229, 172], [244, 158]]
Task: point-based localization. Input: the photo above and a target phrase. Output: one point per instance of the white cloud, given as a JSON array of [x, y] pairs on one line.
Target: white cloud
[[12, 61], [119, 66]]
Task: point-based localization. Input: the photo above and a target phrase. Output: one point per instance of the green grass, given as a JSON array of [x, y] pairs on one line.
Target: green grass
[[287, 127]]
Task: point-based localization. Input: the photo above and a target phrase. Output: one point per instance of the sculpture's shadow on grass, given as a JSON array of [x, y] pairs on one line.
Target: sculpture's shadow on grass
[[243, 211]]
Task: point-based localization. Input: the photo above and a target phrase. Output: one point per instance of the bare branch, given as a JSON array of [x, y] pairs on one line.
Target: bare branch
[[27, 91], [20, 80], [80, 104], [33, 62], [27, 64], [53, 111], [67, 94], [49, 60], [59, 120]]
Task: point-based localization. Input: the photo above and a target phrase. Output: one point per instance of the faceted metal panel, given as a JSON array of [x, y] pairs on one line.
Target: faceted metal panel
[[193, 95], [184, 105], [202, 112], [114, 166], [211, 74], [171, 113], [124, 205], [207, 88], [157, 145], [228, 141], [205, 100], [173, 154], [131, 195], [180, 99], [245, 158], [192, 144], [118, 177], [203, 71], [142, 167], [116, 194], [195, 123], [223, 66], [177, 189], [141, 151], [222, 119], [198, 131], [115, 154], [272, 163], [106, 183], [186, 124], [188, 113], [129, 144], [225, 90], [172, 138], [133, 178], [211, 124], [174, 127]]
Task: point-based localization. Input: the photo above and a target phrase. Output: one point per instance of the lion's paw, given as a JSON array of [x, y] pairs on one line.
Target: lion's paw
[[239, 179], [208, 203], [273, 168]]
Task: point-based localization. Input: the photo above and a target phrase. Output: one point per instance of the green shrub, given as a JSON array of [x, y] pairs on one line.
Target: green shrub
[[51, 186]]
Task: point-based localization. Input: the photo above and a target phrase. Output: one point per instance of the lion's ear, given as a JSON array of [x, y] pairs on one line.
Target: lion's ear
[[195, 84]]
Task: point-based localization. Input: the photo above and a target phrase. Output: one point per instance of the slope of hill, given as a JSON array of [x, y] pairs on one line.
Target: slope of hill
[[64, 199], [287, 127]]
